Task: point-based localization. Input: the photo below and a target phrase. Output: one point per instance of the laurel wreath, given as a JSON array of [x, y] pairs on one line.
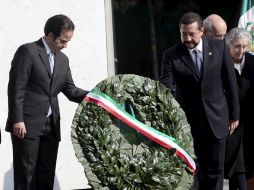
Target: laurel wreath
[[115, 156]]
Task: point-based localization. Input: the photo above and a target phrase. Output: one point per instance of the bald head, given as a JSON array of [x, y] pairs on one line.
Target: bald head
[[215, 27]]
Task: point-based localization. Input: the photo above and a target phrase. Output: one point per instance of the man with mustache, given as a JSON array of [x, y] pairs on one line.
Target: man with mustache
[[200, 74]]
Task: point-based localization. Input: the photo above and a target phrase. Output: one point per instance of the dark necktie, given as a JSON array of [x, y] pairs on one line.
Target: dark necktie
[[197, 58]]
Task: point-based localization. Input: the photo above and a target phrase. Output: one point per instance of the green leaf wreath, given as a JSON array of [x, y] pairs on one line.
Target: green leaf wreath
[[115, 156]]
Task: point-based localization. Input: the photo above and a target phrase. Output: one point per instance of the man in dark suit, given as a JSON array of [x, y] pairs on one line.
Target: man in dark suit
[[201, 76], [39, 72]]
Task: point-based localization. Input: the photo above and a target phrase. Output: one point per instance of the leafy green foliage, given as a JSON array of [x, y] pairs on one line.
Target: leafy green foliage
[[115, 156]]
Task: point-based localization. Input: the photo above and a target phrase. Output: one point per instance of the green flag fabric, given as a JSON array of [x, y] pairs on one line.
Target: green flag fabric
[[247, 20]]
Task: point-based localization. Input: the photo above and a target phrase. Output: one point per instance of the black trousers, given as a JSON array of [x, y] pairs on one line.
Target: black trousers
[[34, 160], [210, 153]]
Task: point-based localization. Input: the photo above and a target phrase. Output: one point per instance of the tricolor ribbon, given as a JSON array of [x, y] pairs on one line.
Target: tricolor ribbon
[[162, 139]]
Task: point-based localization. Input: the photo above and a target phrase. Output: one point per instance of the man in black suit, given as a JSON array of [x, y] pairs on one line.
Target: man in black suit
[[200, 74], [39, 72]]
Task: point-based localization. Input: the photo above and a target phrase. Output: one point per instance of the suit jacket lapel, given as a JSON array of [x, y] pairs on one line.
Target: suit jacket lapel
[[187, 60], [43, 55], [206, 53]]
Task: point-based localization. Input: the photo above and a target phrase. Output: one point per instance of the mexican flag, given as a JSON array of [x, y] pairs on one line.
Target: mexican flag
[[247, 20]]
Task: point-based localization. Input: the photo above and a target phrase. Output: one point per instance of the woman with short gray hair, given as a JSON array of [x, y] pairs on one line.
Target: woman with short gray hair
[[239, 158], [237, 33]]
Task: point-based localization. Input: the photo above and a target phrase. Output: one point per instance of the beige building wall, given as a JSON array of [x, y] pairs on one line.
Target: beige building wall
[[91, 59]]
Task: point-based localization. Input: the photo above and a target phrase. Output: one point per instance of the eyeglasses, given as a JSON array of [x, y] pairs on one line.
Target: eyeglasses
[[190, 34]]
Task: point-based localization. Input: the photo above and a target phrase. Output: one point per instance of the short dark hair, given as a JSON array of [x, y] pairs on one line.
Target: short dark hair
[[191, 17], [56, 24]]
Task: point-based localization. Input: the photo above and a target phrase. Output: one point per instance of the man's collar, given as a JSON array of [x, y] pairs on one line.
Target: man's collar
[[200, 45], [46, 45]]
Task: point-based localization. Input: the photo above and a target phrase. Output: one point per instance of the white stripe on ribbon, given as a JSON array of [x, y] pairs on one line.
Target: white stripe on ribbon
[[164, 140]]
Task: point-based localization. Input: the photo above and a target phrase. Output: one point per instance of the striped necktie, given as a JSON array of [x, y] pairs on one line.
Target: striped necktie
[[51, 61]]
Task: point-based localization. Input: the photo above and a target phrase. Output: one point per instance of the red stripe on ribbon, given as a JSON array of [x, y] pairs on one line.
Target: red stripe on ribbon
[[155, 139]]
